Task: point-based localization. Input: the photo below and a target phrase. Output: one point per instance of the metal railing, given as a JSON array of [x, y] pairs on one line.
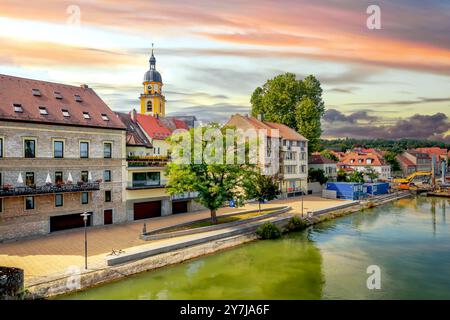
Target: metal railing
[[147, 161], [146, 184], [7, 191], [185, 195]]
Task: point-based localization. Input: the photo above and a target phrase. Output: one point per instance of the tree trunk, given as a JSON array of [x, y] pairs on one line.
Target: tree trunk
[[213, 216], [259, 207]]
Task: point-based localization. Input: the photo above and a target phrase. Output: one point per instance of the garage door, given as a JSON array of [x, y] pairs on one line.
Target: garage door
[[179, 207], [69, 221], [146, 210]]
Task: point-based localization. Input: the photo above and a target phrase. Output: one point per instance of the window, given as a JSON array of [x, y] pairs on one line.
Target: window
[[85, 176], [108, 196], [58, 149], [149, 106], [145, 179], [84, 197], [1, 147], [30, 148], [36, 92], [17, 107], [65, 112], [84, 149], [58, 177], [29, 203], [86, 115], [107, 150], [78, 98], [57, 95], [29, 179], [303, 168], [1, 204], [107, 175], [43, 111], [59, 200], [105, 117]]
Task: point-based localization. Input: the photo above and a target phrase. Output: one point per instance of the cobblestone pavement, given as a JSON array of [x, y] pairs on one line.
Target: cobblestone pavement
[[54, 253]]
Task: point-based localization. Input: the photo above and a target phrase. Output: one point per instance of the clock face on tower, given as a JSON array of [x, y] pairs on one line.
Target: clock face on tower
[[149, 88]]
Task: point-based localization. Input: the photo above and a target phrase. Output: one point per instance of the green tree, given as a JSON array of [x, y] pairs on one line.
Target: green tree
[[391, 158], [355, 176], [329, 155], [317, 175], [261, 188], [341, 176], [295, 103], [215, 183]]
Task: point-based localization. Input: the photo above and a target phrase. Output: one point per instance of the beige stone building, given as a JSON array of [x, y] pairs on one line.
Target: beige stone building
[[62, 153], [292, 153]]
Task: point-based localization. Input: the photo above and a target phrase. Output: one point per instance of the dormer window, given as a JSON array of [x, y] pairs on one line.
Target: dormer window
[[65, 112], [78, 98], [36, 92], [57, 95], [105, 117], [43, 111], [17, 107], [86, 115]]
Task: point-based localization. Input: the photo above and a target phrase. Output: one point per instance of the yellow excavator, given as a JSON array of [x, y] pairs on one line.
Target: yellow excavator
[[422, 177]]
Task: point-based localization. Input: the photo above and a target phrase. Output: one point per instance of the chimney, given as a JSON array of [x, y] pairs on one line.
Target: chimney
[[84, 86], [260, 117], [133, 115]]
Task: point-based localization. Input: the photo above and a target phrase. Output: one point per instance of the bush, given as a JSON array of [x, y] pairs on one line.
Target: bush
[[268, 231], [296, 224]]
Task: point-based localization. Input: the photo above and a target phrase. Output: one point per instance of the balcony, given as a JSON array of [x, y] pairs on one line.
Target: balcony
[[7, 191], [147, 161], [146, 184]]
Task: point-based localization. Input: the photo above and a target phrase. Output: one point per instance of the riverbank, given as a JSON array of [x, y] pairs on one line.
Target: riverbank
[[77, 280]]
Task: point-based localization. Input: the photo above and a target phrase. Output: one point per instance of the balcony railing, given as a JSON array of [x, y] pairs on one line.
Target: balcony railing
[[147, 161], [146, 184], [7, 191]]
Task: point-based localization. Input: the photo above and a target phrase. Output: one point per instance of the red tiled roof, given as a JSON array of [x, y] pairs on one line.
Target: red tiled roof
[[319, 159], [154, 127], [246, 122], [14, 90], [433, 150], [405, 161], [286, 132], [356, 157], [135, 136]]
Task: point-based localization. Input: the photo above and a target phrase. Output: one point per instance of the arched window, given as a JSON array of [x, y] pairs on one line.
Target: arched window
[[149, 106]]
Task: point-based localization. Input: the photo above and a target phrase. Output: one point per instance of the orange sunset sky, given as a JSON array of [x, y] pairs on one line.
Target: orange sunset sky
[[387, 83]]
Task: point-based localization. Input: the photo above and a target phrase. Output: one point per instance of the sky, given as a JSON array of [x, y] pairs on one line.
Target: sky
[[391, 82]]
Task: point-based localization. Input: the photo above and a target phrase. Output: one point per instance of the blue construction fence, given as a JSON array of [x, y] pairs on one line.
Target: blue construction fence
[[357, 191]]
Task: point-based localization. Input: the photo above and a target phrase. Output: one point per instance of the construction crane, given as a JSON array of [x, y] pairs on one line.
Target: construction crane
[[419, 176]]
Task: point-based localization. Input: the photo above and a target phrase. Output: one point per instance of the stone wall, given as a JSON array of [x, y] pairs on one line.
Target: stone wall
[[15, 221]]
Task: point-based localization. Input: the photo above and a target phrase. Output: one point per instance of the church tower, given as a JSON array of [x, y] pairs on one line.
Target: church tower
[[153, 101]]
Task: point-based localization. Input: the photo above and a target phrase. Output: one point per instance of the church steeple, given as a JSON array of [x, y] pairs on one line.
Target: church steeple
[[152, 100], [152, 61]]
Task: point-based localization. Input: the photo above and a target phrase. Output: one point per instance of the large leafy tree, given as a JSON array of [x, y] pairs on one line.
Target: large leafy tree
[[295, 103], [317, 175], [261, 188], [355, 176], [215, 182], [329, 155]]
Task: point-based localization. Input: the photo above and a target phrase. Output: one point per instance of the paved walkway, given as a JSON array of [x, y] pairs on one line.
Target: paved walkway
[[53, 254]]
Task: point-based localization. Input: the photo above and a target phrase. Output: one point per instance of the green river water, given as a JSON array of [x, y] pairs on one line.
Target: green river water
[[408, 239]]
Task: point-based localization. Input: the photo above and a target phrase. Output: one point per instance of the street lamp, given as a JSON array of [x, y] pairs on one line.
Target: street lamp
[[85, 216]]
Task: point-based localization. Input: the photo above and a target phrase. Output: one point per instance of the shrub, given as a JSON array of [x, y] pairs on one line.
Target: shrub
[[268, 231], [296, 224]]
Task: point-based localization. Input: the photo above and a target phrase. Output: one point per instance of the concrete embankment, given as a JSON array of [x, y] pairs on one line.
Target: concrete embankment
[[187, 247]]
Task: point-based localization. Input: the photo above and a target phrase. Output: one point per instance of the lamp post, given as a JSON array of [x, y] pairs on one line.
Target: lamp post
[[302, 193], [85, 216]]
